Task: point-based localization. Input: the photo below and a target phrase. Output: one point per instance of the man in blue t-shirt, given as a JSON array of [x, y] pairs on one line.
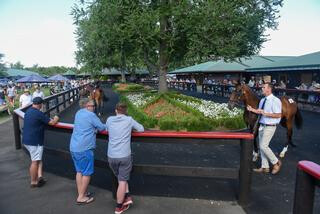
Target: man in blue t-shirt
[[119, 129], [82, 144], [33, 136]]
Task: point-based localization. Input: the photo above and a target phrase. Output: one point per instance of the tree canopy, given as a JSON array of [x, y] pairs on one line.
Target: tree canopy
[[165, 34], [2, 65]]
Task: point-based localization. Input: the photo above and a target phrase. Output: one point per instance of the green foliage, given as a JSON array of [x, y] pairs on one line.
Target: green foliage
[[138, 114], [162, 35], [52, 70], [17, 65], [2, 66], [128, 88]]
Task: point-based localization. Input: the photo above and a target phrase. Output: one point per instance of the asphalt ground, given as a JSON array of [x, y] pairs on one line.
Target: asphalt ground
[[270, 194]]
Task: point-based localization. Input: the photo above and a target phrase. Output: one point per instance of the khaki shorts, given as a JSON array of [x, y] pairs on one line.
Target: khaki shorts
[[35, 152]]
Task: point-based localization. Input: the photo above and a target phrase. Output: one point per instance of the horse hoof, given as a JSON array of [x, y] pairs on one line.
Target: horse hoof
[[254, 156], [293, 145]]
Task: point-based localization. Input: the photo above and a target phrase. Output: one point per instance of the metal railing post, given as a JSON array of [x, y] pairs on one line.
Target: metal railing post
[[304, 193], [64, 100], [16, 130], [245, 172]]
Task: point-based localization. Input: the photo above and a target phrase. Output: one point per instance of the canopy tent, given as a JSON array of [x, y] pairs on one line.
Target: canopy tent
[[58, 78], [33, 78]]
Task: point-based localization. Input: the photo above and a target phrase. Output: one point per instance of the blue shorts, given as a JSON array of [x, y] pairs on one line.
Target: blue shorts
[[83, 162]]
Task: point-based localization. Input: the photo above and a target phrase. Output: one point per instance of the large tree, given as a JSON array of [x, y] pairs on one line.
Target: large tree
[[163, 34], [2, 65]]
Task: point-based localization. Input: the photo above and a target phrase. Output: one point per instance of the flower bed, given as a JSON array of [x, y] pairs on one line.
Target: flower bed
[[173, 111], [129, 87]]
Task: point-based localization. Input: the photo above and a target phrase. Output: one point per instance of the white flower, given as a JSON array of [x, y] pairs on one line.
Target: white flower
[[211, 109], [139, 99]]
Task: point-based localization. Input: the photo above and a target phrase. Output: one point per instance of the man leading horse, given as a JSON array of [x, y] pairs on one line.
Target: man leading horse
[[269, 112], [290, 114]]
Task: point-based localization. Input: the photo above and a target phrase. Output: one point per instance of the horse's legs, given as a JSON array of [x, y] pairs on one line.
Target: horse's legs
[[289, 126], [255, 153], [98, 101]]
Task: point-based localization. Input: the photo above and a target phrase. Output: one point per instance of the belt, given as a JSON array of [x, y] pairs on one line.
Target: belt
[[262, 124]]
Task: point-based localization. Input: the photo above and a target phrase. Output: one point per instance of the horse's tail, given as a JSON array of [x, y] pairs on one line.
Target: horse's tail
[[298, 119]]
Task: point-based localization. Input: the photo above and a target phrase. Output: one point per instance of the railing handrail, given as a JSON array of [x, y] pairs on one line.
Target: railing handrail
[[310, 167], [166, 134]]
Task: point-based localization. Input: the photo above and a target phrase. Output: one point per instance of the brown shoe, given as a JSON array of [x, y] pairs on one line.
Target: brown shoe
[[262, 170], [276, 168]]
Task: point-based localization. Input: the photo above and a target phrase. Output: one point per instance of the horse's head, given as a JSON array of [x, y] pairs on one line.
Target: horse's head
[[236, 96]]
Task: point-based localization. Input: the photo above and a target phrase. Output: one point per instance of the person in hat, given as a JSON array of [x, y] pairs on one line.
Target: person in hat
[[25, 98], [33, 139]]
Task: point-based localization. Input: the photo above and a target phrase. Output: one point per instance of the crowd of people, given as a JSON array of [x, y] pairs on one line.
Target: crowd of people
[[254, 83], [82, 145], [12, 92]]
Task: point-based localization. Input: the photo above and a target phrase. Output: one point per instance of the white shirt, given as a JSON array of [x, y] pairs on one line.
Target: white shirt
[[11, 91], [38, 94], [251, 83], [25, 100], [273, 105]]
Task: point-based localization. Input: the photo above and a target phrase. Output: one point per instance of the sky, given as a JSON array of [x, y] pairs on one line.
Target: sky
[[41, 32]]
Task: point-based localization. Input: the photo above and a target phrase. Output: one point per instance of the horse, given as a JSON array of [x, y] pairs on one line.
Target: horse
[[290, 115], [97, 95]]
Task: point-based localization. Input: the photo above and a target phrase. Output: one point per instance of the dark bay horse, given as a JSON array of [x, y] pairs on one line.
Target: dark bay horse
[[290, 114], [96, 94]]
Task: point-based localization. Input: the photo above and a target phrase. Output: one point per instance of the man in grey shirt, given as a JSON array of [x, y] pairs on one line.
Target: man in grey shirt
[[119, 129]]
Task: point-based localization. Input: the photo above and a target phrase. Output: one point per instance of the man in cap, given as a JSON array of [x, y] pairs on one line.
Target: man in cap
[[33, 137], [25, 99]]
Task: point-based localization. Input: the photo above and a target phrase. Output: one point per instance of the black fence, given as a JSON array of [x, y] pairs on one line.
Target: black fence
[[184, 86], [52, 104], [307, 178], [301, 96]]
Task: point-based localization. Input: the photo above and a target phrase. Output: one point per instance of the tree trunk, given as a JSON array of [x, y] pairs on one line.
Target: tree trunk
[[123, 65], [163, 49], [123, 76]]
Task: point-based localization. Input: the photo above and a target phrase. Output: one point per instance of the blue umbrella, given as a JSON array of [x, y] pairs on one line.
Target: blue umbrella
[[58, 78], [33, 78]]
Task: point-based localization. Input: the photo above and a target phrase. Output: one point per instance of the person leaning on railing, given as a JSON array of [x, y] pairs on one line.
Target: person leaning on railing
[[82, 144], [33, 139], [119, 129]]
